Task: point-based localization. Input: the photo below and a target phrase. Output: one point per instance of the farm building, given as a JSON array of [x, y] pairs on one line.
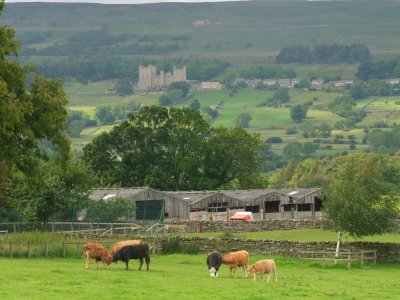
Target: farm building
[[150, 204], [217, 205], [264, 204]]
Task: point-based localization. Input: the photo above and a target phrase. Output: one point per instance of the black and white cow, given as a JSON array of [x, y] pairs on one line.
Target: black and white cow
[[214, 261], [133, 252]]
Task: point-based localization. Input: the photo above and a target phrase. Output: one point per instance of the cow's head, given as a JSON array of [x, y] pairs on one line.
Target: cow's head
[[251, 269], [115, 257], [213, 272], [108, 259]]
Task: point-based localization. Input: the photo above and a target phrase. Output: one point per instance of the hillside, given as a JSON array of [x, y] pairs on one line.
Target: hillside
[[242, 33]]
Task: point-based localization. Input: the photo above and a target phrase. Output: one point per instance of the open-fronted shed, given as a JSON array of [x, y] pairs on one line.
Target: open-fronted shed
[[150, 204]]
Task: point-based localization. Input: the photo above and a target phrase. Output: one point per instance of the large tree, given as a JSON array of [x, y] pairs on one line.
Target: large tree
[[357, 196], [173, 148], [29, 115]]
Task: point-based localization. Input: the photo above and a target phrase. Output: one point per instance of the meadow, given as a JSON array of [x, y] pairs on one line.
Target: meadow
[[182, 276]]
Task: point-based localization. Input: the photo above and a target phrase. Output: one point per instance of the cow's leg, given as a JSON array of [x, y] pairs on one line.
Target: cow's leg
[[97, 264], [254, 276], [126, 263], [147, 262], [104, 263], [234, 272], [141, 263], [276, 276], [269, 275], [87, 261]]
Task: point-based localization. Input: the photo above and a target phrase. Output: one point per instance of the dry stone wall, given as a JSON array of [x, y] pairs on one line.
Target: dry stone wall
[[386, 252], [263, 225]]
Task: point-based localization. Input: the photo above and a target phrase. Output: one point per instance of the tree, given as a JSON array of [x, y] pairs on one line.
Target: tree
[[357, 196], [55, 188], [195, 104], [110, 210], [243, 120], [124, 87], [180, 85], [298, 113], [28, 115], [232, 159], [105, 114], [280, 96], [171, 149]]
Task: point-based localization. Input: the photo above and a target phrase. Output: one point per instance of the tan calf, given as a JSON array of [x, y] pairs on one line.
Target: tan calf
[[263, 266], [236, 259], [96, 251]]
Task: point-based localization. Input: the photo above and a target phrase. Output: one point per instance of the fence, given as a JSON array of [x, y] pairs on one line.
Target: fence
[[347, 256], [142, 227], [64, 248]]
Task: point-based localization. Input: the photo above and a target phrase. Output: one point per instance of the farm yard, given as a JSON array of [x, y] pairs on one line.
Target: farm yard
[[182, 276]]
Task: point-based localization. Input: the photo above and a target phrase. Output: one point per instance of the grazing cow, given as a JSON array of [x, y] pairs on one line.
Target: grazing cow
[[214, 261], [236, 259], [133, 252], [96, 251], [118, 245], [263, 266]]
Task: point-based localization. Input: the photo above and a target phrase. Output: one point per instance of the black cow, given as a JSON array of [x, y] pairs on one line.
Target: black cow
[[133, 252], [214, 260]]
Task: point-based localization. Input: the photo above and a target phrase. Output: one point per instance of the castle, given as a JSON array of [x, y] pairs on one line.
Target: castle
[[149, 79]]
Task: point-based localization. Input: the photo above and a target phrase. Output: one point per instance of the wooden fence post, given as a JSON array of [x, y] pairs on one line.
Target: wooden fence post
[[11, 254], [28, 249], [362, 259], [77, 248], [63, 246], [323, 260], [375, 257], [349, 260], [46, 249]]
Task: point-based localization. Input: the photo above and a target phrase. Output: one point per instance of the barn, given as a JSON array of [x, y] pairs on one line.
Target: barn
[[150, 204], [217, 205], [263, 203]]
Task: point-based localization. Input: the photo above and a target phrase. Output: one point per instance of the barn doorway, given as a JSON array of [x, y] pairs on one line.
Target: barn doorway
[[150, 210]]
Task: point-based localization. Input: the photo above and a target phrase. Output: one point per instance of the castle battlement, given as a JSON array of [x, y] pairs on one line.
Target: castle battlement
[[149, 79]]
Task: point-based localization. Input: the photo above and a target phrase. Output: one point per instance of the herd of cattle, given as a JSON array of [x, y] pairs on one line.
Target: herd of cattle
[[137, 249]]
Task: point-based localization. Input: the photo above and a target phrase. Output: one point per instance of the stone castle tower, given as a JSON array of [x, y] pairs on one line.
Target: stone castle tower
[[149, 79]]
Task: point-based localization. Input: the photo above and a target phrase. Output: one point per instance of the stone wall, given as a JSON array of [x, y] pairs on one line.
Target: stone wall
[[386, 252], [239, 226], [263, 225]]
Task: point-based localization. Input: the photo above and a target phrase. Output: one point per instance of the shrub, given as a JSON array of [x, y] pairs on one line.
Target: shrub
[[274, 140]]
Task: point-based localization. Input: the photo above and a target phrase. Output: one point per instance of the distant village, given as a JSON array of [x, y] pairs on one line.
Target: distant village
[[150, 79]]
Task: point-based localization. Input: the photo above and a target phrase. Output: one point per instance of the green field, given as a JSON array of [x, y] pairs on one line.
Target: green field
[[181, 276], [266, 121]]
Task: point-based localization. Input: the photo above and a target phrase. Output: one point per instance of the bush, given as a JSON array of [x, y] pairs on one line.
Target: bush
[[175, 246], [291, 131], [274, 140]]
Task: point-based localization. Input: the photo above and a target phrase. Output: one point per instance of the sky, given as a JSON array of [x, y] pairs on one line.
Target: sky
[[119, 1]]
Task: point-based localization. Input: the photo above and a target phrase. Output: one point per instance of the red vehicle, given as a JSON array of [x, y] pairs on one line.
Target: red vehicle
[[242, 216]]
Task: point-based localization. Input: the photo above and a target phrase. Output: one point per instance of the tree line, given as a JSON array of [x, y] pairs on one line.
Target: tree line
[[102, 67], [325, 54]]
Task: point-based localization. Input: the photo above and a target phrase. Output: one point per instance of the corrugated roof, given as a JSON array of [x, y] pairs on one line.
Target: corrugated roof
[[108, 193], [192, 196]]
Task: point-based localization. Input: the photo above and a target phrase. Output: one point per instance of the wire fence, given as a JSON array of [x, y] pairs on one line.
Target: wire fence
[[145, 227]]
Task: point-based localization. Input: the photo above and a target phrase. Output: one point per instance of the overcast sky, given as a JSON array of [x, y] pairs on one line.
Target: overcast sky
[[120, 1]]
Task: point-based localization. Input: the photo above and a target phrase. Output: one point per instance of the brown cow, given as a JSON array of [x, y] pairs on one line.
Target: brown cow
[[236, 259], [118, 245], [263, 266], [96, 251]]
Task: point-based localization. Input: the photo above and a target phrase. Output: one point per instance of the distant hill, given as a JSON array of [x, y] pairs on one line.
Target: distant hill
[[242, 33]]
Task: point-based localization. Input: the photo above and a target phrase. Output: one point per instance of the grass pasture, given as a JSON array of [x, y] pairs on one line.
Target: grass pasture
[[180, 276]]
